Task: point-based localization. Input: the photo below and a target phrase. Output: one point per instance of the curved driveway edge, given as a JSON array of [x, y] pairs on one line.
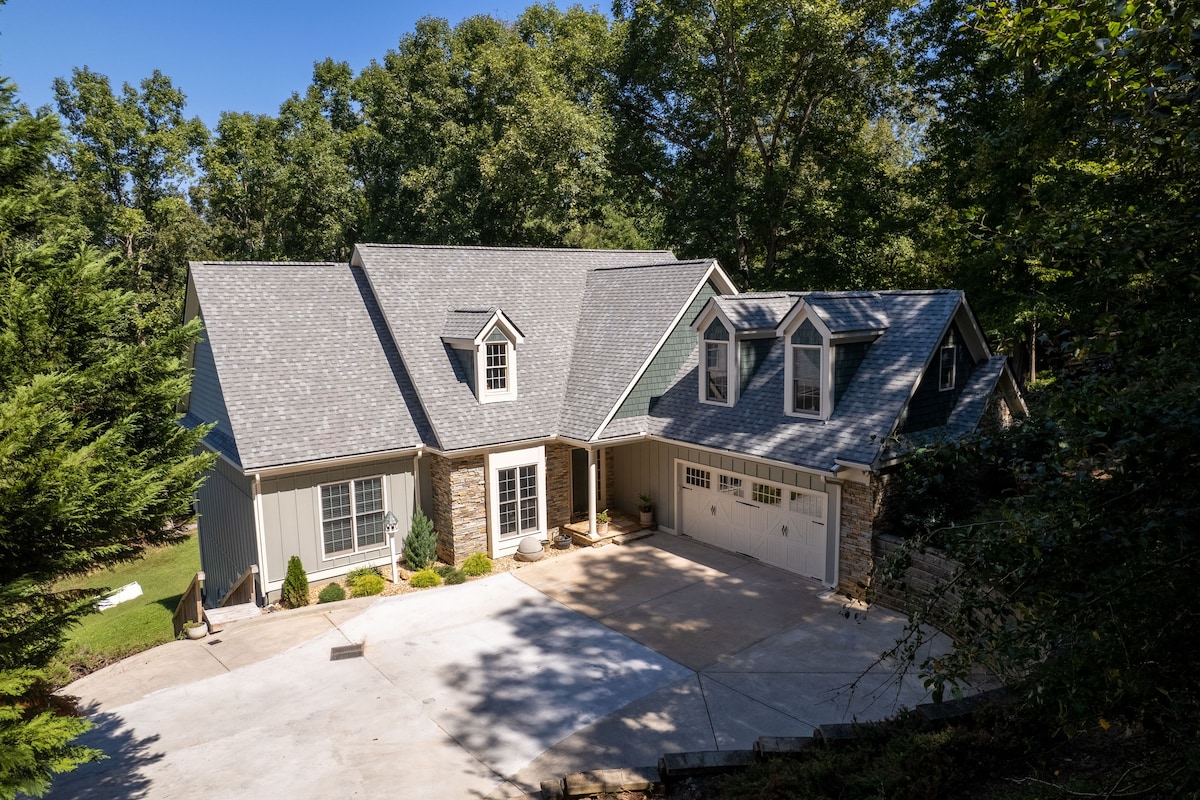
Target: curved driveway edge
[[604, 658]]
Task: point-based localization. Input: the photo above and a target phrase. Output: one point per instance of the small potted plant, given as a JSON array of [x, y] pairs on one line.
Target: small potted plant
[[645, 510], [602, 520], [195, 630]]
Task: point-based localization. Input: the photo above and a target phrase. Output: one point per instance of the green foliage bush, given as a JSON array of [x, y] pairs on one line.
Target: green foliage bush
[[477, 564], [451, 576], [331, 594], [353, 575], [420, 546], [424, 579], [295, 585], [367, 585]]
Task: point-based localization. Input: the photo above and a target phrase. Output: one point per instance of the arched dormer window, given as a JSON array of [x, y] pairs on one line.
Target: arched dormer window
[[715, 384]]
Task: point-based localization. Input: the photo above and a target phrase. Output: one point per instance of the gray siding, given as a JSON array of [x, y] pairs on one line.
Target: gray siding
[[648, 468], [930, 407], [225, 504], [752, 353], [846, 360], [292, 517], [207, 400], [666, 363]]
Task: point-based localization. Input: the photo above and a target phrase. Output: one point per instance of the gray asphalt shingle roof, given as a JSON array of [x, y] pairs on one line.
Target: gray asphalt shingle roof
[[756, 310], [417, 285], [304, 371], [846, 312], [860, 423]]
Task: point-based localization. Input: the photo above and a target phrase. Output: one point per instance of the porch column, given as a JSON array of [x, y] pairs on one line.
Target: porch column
[[603, 477], [591, 486]]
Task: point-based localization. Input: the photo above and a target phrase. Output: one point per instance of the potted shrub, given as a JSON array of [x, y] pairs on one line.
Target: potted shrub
[[645, 510], [602, 520], [195, 630]]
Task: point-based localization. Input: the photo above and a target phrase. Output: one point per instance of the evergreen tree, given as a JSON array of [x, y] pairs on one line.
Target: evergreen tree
[[93, 464], [295, 584]]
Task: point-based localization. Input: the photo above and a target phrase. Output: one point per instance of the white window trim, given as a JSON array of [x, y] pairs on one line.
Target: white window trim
[[484, 394], [942, 387], [531, 456], [789, 384], [355, 550], [732, 380]]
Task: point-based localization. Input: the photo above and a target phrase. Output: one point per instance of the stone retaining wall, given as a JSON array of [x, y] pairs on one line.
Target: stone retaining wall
[[927, 570]]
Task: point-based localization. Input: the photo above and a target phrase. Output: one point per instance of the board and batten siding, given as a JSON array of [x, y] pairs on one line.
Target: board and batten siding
[[292, 518], [225, 507], [649, 468]]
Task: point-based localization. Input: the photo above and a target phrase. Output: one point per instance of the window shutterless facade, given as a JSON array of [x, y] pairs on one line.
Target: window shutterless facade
[[947, 358], [352, 517], [806, 379], [517, 497], [496, 367]]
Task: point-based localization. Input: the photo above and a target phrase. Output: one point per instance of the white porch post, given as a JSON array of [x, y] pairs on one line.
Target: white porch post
[[591, 493]]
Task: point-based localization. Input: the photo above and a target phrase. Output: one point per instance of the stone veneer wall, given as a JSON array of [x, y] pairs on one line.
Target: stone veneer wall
[[860, 507], [927, 570], [459, 506], [558, 487]]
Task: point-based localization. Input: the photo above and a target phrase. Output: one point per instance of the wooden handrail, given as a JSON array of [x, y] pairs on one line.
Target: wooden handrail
[[244, 589], [191, 605]]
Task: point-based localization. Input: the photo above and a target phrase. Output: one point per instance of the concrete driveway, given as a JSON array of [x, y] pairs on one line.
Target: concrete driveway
[[602, 658]]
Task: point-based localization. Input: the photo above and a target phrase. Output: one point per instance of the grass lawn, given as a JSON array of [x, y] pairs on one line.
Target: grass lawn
[[138, 624]]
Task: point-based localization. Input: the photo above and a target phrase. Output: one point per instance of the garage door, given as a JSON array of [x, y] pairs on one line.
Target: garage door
[[775, 523]]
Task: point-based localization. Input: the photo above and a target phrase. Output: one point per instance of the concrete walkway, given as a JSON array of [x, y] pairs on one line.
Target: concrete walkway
[[603, 658]]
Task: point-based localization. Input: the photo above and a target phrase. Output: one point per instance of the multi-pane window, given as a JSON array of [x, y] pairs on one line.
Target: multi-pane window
[[809, 504], [806, 379], [731, 485], [697, 477], [716, 363], [352, 516], [767, 494], [946, 359], [496, 366], [518, 500]]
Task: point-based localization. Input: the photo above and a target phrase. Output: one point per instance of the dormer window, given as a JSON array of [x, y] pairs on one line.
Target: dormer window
[[496, 367], [486, 342], [947, 360], [808, 382], [715, 380]]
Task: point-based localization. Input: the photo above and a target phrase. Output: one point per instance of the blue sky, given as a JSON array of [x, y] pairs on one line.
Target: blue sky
[[225, 55]]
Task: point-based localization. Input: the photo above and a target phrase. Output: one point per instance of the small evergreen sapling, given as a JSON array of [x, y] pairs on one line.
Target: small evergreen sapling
[[331, 593], [420, 546], [295, 584]]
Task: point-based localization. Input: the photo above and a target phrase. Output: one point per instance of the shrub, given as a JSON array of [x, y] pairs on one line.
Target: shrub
[[477, 564], [331, 593], [353, 575], [451, 576], [295, 585], [367, 585], [420, 546], [425, 578]]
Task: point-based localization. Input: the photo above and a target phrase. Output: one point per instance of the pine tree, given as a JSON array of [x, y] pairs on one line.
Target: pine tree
[[93, 464], [420, 546], [295, 584]]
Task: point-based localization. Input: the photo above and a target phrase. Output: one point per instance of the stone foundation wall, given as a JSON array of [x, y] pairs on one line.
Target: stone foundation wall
[[926, 571], [855, 556], [459, 506]]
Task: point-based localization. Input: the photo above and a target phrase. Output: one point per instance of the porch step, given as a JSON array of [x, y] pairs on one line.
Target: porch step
[[218, 618]]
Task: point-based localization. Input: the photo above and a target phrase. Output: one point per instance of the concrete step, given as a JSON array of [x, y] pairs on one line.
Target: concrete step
[[218, 618]]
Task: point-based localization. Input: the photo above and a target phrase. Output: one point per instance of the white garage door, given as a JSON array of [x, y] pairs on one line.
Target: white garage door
[[775, 523]]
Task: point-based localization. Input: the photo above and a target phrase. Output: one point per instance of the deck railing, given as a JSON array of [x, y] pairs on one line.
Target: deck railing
[[191, 605]]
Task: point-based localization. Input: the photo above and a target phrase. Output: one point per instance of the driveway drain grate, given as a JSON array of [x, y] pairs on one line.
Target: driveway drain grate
[[346, 651]]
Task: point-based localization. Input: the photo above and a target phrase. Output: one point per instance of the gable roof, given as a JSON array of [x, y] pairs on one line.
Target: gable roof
[[305, 372], [417, 285], [755, 310], [864, 417]]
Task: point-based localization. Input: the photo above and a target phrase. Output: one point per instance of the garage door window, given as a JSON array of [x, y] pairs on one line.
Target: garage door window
[[808, 504], [732, 485], [697, 477], [767, 494]]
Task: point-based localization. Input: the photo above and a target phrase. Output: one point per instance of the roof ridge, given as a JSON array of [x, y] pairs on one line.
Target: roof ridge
[[612, 267], [273, 263], [403, 246]]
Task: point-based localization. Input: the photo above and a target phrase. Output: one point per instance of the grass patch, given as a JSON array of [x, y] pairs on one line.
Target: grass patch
[[135, 625]]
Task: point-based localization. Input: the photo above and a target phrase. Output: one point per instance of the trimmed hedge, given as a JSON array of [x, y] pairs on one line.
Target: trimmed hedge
[[331, 594], [425, 578]]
